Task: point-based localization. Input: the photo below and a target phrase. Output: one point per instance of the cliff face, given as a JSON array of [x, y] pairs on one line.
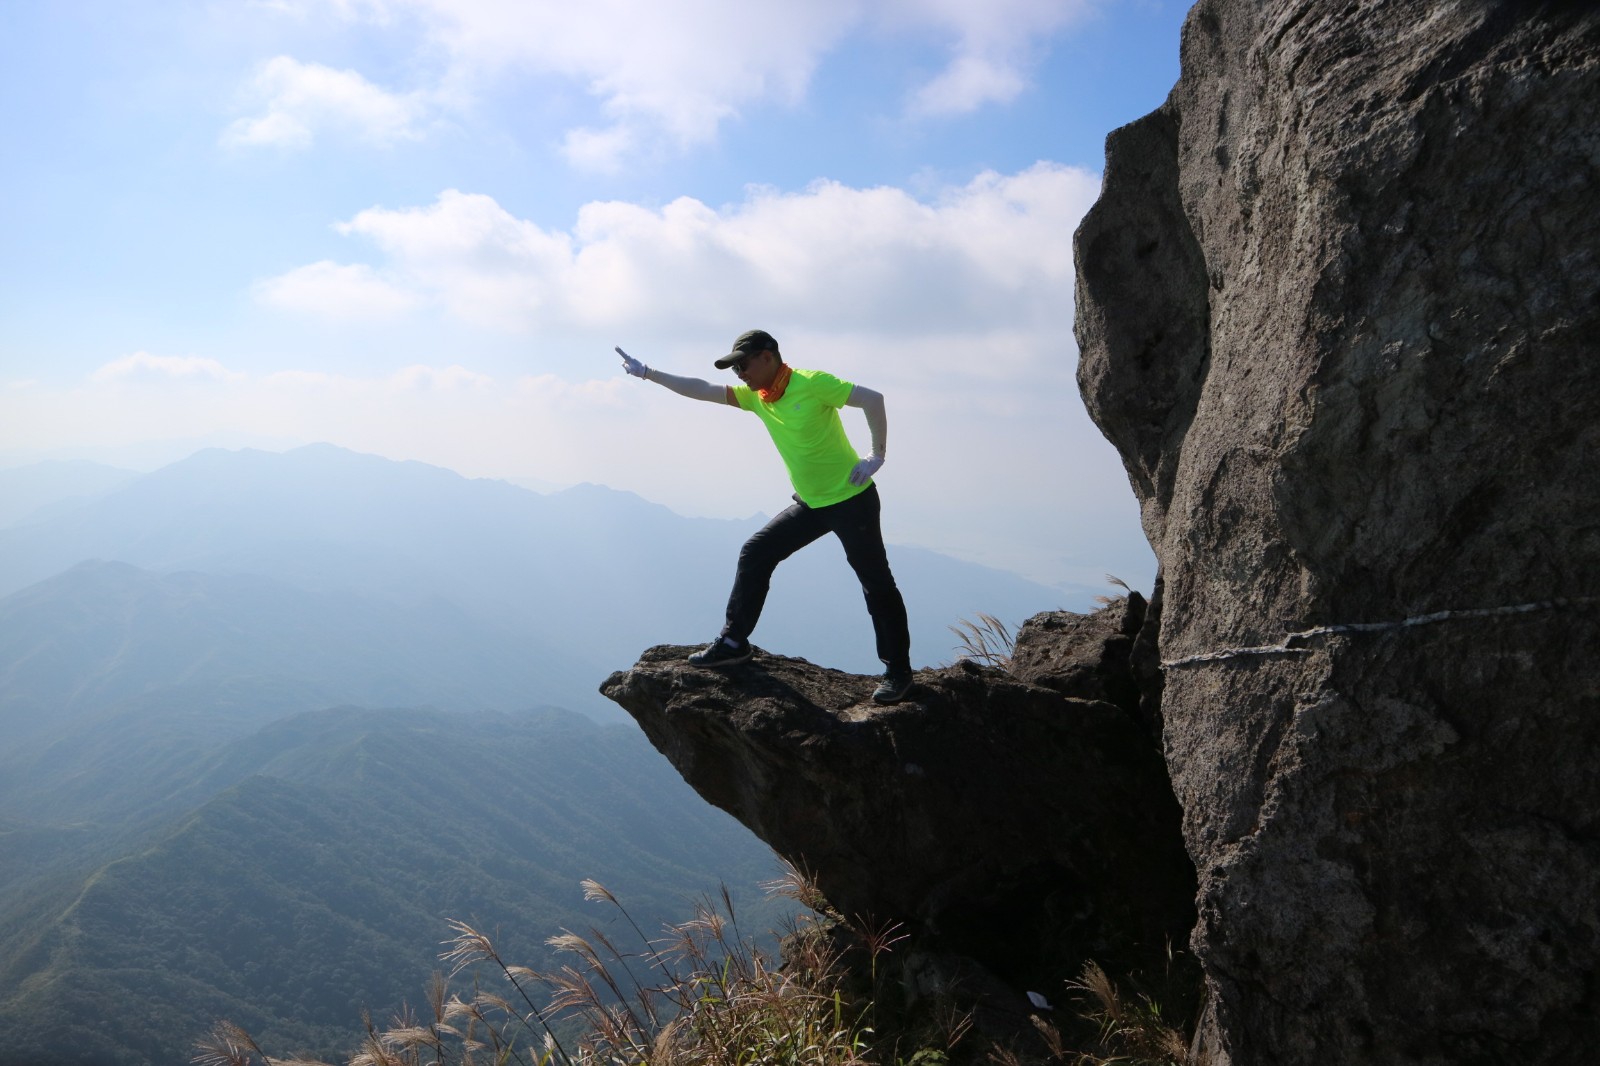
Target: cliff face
[[1338, 308], [1018, 826]]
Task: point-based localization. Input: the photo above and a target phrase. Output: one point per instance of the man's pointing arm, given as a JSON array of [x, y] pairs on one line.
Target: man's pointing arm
[[693, 388]]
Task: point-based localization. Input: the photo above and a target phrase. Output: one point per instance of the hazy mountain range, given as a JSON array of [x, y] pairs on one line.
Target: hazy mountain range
[[393, 553], [203, 815], [31, 492]]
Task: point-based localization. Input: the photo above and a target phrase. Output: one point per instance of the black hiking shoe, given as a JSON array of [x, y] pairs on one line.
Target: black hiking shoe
[[894, 686], [720, 653]]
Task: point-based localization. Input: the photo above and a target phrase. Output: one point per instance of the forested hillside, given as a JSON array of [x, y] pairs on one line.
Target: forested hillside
[[318, 884]]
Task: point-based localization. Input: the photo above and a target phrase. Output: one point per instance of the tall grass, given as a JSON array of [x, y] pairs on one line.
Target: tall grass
[[988, 641], [703, 995], [1132, 1029]]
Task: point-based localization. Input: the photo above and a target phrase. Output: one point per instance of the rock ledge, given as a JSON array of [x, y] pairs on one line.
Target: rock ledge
[[998, 820]]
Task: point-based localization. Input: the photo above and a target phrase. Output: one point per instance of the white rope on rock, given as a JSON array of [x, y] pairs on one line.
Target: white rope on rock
[[1288, 645]]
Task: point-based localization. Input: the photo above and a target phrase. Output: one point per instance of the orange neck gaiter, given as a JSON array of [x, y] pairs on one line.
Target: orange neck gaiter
[[772, 393]]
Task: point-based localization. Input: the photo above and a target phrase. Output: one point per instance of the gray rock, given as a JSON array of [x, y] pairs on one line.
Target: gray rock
[[1337, 309], [1086, 656], [998, 821]]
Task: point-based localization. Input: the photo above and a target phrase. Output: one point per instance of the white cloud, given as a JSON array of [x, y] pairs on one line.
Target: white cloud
[[875, 260], [452, 378], [994, 47], [666, 74], [302, 100], [274, 129], [334, 290], [679, 69], [601, 151], [468, 254], [966, 85], [144, 367]]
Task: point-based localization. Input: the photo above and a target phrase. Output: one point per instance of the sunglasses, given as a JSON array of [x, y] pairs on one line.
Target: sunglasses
[[738, 365]]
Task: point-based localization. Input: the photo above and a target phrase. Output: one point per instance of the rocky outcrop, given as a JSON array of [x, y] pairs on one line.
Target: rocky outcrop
[[1001, 822], [1086, 656], [1337, 308]]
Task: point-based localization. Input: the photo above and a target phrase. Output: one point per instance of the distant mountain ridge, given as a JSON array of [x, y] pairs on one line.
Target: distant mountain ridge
[[581, 579], [102, 632], [36, 491]]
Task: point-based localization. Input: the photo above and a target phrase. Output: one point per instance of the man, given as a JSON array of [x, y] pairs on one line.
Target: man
[[833, 493]]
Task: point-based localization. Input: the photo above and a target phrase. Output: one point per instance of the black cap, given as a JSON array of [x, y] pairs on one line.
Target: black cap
[[750, 342]]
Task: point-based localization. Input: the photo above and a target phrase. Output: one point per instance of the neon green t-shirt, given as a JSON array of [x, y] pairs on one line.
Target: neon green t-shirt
[[805, 426]]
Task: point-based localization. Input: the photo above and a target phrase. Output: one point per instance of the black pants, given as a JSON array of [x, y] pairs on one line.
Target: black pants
[[855, 523]]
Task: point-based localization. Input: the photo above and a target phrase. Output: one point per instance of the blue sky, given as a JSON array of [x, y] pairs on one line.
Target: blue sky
[[416, 228]]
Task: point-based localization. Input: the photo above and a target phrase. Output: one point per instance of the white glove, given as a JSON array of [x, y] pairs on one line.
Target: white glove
[[865, 469], [632, 365]]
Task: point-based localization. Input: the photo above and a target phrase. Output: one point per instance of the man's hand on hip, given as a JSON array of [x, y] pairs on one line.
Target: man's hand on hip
[[865, 469]]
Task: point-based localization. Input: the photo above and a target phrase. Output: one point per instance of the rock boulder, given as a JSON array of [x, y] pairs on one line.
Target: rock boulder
[[1337, 308]]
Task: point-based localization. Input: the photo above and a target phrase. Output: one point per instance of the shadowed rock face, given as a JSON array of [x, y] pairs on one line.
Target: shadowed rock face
[[1338, 309], [1001, 821]]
